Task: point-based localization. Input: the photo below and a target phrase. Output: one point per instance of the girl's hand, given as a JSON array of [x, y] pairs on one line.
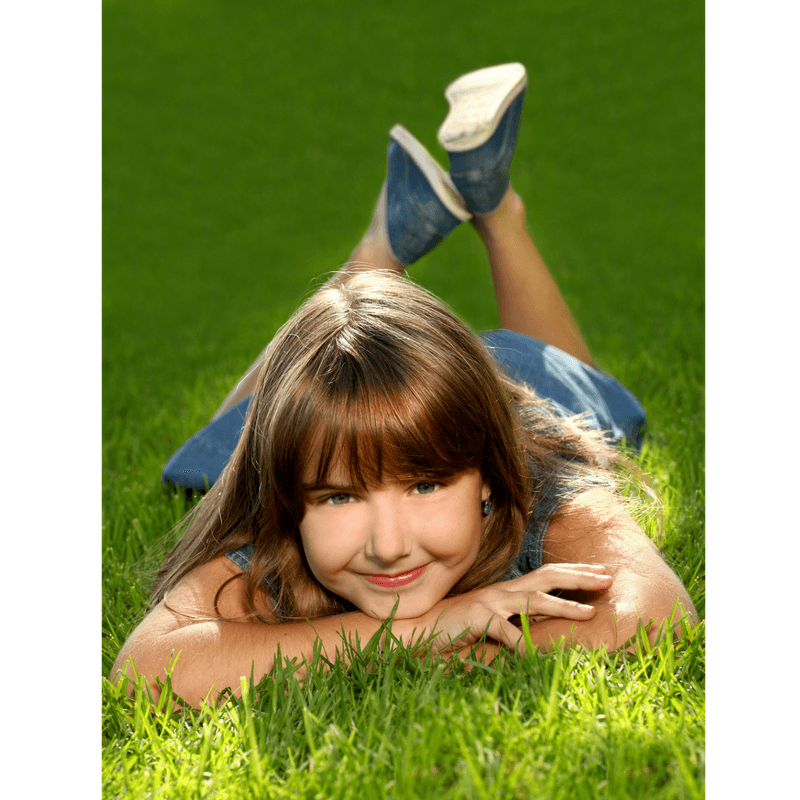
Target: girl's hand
[[462, 620]]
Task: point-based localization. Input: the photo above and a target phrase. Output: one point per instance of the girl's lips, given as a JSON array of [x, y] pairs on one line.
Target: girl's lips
[[393, 581]]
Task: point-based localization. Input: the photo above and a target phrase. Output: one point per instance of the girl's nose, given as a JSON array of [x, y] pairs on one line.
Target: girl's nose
[[388, 539]]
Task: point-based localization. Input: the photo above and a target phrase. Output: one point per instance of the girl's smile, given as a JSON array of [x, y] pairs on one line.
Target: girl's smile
[[393, 581], [405, 540]]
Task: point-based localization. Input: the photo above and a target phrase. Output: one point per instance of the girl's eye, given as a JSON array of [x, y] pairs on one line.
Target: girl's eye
[[426, 488], [338, 499]]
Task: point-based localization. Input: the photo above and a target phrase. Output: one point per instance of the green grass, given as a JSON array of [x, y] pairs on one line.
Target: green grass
[[244, 146], [392, 727]]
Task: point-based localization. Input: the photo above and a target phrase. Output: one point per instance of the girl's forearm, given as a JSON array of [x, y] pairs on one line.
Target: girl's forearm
[[204, 658]]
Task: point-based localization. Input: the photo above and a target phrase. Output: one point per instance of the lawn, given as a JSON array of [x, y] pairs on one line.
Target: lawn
[[244, 147]]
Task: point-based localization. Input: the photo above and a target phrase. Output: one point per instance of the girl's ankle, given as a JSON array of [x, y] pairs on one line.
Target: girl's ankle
[[509, 214], [373, 252]]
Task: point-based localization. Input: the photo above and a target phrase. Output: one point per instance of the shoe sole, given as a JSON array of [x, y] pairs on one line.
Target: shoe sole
[[478, 101], [439, 180]]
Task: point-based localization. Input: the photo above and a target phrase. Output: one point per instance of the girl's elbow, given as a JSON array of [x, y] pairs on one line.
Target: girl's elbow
[[667, 613], [134, 668], [149, 670]]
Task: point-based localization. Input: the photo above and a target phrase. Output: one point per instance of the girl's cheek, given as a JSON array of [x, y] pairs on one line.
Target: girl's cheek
[[330, 534]]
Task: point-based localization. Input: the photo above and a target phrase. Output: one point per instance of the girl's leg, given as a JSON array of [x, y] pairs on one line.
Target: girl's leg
[[374, 251], [246, 386], [528, 299]]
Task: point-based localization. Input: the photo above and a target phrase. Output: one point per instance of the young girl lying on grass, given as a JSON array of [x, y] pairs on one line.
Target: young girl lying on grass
[[380, 460]]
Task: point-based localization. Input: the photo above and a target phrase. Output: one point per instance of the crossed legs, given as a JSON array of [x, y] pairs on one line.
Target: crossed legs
[[528, 298]]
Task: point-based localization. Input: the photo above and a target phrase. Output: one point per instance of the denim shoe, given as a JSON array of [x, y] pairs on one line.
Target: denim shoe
[[422, 205], [480, 132]]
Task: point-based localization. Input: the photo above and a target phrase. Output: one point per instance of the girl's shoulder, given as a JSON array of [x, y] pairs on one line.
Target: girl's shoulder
[[214, 590], [242, 557]]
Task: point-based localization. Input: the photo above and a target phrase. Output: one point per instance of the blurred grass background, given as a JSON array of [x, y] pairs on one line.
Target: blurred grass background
[[244, 148]]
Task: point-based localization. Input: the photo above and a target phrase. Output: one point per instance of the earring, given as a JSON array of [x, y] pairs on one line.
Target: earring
[[487, 508]]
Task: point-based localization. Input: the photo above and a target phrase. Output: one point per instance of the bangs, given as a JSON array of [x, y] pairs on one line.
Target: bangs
[[400, 422], [379, 438]]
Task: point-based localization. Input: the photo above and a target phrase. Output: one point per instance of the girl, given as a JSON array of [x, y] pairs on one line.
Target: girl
[[378, 460]]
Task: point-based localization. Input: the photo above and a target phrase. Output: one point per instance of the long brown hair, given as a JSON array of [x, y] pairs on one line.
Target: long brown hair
[[376, 371]]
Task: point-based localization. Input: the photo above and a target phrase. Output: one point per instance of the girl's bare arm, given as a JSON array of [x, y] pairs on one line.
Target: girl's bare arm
[[211, 651], [595, 528]]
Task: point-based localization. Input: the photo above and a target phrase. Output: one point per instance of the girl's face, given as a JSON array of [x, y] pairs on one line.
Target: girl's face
[[412, 539]]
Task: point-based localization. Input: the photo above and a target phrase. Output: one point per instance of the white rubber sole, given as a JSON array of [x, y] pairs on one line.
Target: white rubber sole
[[440, 181], [478, 101]]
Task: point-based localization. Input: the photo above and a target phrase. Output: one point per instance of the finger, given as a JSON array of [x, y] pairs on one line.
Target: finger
[[549, 570], [543, 604], [503, 631], [594, 569], [547, 579]]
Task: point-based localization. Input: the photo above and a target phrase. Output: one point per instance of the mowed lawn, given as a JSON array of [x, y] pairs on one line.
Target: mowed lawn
[[244, 148]]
